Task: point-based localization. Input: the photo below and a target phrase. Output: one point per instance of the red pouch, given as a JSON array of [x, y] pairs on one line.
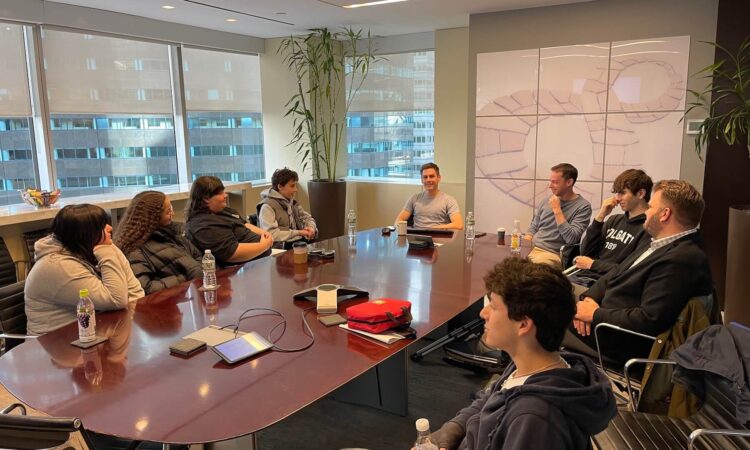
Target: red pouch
[[379, 315]]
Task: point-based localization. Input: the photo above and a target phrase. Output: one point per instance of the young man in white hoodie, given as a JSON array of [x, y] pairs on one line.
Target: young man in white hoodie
[[280, 214]]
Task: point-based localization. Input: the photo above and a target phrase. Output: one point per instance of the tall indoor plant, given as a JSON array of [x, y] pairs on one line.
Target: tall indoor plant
[[324, 63], [728, 121]]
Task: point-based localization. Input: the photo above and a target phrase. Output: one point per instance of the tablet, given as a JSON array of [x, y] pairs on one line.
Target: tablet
[[242, 347]]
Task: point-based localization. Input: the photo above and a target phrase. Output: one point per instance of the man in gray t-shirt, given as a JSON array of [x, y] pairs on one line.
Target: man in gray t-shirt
[[432, 208], [561, 220]]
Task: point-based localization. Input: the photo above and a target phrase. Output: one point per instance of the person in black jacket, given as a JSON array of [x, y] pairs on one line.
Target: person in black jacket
[[605, 244], [159, 254], [212, 225], [544, 399], [647, 291]]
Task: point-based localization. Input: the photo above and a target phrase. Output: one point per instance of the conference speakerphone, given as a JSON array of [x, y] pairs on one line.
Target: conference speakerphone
[[327, 296]]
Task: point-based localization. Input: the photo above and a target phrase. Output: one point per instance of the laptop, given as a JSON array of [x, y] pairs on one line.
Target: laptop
[[441, 231], [419, 241]]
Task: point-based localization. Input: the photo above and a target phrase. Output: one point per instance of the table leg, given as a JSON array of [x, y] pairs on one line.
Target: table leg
[[249, 442], [383, 387]]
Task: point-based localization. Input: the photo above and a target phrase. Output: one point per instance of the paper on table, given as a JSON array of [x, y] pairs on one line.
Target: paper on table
[[276, 251], [388, 338]]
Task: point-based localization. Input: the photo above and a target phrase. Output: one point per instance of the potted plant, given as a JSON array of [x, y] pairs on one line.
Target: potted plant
[[325, 62], [728, 121]]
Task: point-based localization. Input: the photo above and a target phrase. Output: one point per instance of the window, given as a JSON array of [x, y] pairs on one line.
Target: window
[[105, 121], [225, 124], [17, 168], [390, 125]]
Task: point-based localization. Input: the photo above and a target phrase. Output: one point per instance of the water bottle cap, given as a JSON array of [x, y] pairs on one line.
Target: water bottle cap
[[83, 293], [423, 425], [207, 252]]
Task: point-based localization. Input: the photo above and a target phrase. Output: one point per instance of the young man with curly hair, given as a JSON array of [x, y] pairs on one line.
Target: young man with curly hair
[[544, 399]]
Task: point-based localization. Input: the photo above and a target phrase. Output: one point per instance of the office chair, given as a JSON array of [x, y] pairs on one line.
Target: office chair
[[8, 268], [30, 239], [12, 316], [24, 432]]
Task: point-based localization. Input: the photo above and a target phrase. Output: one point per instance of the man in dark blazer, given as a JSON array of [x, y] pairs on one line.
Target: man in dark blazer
[[647, 291]]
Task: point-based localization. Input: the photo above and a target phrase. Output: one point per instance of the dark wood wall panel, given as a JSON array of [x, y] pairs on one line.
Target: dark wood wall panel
[[727, 177]]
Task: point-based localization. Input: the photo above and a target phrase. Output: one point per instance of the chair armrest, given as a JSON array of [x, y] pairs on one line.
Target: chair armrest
[[17, 336], [615, 328], [707, 432], [634, 361], [14, 406]]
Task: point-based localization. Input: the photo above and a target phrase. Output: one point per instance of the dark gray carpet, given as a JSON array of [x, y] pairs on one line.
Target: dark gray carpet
[[436, 391]]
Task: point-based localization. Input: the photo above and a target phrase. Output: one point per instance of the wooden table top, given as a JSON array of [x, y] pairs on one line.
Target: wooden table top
[[132, 387]]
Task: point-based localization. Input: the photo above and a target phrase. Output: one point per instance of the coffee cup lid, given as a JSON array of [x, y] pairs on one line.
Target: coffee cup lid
[[299, 244], [501, 229]]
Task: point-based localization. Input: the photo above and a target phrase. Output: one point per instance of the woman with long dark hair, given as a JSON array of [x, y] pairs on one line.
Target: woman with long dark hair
[[79, 254], [158, 253], [211, 225]]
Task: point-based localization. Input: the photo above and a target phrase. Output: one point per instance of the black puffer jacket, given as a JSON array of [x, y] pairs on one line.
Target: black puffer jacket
[[165, 260]]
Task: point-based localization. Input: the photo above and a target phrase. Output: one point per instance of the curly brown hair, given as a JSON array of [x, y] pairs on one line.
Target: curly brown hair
[[141, 218]]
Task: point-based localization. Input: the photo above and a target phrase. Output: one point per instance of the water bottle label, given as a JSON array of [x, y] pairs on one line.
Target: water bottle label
[[209, 265], [86, 324]]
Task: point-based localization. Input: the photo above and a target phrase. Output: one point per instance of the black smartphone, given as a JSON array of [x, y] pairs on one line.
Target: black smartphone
[[187, 347]]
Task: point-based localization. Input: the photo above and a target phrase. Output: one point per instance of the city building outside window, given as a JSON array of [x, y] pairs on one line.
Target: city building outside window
[[111, 122], [17, 166], [391, 122], [225, 123]]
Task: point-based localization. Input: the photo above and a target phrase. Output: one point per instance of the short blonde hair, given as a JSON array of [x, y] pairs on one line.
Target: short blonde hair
[[685, 201]]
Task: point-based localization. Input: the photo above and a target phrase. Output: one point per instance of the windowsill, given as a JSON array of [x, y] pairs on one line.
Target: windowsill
[[385, 180], [21, 212]]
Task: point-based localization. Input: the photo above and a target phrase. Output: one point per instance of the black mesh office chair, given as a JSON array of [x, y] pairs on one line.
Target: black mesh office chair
[[24, 432], [12, 316], [8, 269], [30, 239]]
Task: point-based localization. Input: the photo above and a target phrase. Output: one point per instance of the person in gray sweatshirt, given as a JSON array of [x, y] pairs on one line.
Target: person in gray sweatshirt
[[79, 254], [559, 221], [280, 214]]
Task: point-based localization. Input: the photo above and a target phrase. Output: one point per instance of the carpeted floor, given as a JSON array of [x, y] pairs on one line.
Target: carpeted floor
[[436, 391]]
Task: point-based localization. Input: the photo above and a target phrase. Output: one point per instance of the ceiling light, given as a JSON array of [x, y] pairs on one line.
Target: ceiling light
[[281, 13], [379, 2], [167, 7], [231, 20]]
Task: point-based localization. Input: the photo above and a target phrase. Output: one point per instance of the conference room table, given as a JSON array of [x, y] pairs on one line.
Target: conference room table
[[132, 387]]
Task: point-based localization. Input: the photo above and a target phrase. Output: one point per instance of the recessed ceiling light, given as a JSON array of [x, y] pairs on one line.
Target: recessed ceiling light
[[167, 7], [231, 20], [281, 13], [379, 2]]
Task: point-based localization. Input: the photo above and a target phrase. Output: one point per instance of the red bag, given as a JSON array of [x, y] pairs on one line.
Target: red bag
[[379, 315]]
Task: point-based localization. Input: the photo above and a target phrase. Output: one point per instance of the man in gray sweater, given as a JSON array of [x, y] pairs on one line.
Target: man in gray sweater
[[559, 221]]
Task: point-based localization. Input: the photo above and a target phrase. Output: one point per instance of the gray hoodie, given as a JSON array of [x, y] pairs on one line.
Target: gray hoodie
[[53, 284], [281, 217]]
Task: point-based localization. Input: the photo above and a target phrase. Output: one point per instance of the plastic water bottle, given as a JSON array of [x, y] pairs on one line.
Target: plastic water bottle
[[86, 316], [423, 441], [470, 232], [515, 238], [209, 270], [351, 223]]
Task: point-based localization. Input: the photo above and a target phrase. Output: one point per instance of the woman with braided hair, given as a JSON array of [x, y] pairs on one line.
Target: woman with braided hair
[[159, 254]]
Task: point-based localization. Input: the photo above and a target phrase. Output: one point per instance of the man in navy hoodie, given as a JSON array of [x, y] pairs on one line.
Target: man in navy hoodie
[[607, 243], [544, 399]]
